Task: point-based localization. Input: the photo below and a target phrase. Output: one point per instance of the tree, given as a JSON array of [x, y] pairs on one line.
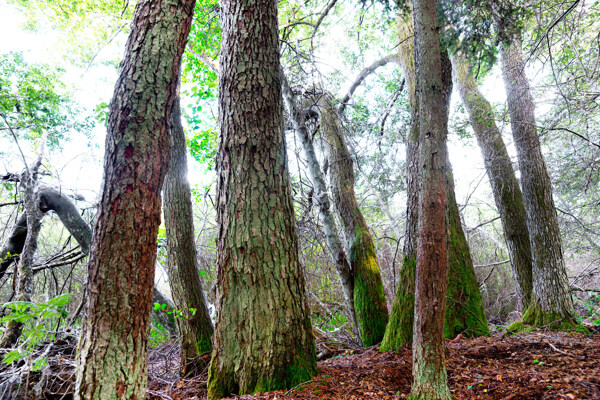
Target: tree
[[507, 193], [429, 370], [193, 320], [464, 306], [298, 115], [369, 300], [263, 337], [112, 353], [551, 302]]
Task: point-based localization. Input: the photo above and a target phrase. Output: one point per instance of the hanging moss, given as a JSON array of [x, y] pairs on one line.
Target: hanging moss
[[369, 299], [399, 329]]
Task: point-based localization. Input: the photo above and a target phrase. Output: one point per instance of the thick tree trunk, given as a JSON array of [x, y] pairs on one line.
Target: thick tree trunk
[[507, 193], [263, 338], [429, 370], [113, 349], [369, 299], [25, 272], [551, 302], [193, 319], [464, 306], [334, 244]]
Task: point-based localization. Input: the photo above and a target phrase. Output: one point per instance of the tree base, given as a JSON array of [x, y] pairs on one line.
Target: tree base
[[535, 316], [431, 393]]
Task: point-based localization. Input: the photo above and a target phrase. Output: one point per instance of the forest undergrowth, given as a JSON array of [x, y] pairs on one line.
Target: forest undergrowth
[[534, 365]]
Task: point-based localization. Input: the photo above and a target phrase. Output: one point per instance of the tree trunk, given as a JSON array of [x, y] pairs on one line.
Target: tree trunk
[[551, 302], [113, 349], [399, 330], [429, 370], [263, 338], [334, 244], [369, 299], [193, 319], [505, 187], [464, 312], [26, 257]]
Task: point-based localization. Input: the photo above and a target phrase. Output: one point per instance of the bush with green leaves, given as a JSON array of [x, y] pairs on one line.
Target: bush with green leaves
[[41, 321]]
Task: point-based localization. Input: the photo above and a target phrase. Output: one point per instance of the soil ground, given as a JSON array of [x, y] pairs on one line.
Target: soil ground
[[539, 365]]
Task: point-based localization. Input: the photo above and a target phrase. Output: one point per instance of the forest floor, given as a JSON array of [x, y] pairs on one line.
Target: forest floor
[[538, 365]]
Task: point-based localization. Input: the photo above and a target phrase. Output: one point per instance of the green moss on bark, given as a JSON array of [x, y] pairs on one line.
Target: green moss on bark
[[535, 316], [398, 332], [369, 299]]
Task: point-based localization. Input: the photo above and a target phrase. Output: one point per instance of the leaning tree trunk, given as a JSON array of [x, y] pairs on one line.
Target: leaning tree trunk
[[430, 380], [193, 321], [507, 193], [13, 246], [551, 302], [113, 350], [369, 299], [464, 312], [25, 272], [263, 339], [334, 244]]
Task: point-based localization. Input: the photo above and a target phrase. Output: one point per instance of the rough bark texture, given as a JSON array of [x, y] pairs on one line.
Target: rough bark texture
[[505, 187], [262, 337], [25, 275], [321, 198], [369, 299], [113, 349], [429, 370], [465, 312], [551, 302], [193, 318]]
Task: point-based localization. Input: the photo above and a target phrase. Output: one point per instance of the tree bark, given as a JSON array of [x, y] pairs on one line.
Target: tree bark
[[113, 349], [429, 370], [26, 257], [464, 312], [505, 187], [193, 319], [369, 298], [551, 302], [321, 197], [263, 337]]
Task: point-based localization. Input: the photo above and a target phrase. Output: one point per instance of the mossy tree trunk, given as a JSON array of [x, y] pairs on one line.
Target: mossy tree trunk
[[551, 302], [263, 339], [464, 306], [113, 350], [369, 298], [399, 330], [430, 380], [321, 197], [505, 187], [193, 320]]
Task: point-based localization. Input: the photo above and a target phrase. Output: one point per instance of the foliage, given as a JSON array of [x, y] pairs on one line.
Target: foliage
[[34, 100], [39, 320]]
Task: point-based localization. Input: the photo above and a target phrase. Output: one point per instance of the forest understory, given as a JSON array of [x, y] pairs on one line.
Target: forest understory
[[536, 365]]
